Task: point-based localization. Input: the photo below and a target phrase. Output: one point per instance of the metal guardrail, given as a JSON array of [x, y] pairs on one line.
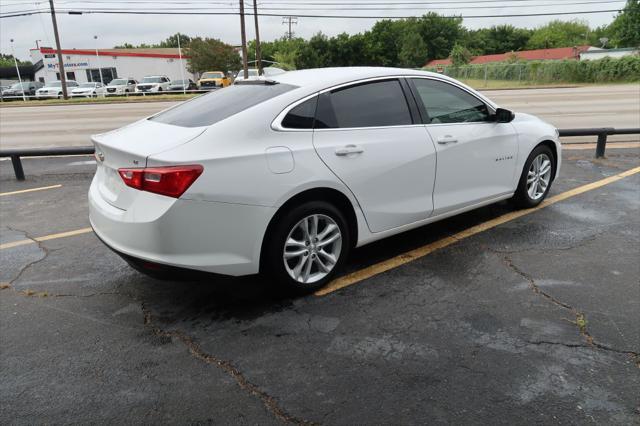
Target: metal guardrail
[[16, 154], [601, 133]]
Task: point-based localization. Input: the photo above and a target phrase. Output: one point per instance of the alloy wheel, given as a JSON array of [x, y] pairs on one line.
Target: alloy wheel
[[539, 176], [312, 248]]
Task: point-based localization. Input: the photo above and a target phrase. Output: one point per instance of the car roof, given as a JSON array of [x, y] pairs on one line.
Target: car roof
[[333, 76], [316, 79]]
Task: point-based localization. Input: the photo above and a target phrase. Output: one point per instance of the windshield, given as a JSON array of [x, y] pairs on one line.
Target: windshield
[[19, 85], [208, 109], [88, 85], [118, 82], [179, 82], [54, 84], [152, 80], [213, 75]]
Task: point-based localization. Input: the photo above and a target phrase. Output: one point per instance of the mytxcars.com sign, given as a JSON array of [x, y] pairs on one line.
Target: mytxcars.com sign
[[68, 65]]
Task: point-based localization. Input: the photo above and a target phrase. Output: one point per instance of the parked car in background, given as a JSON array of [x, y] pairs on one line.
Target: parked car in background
[[213, 79], [154, 83], [29, 88], [253, 73], [181, 85], [121, 86], [88, 90], [285, 176], [53, 89]]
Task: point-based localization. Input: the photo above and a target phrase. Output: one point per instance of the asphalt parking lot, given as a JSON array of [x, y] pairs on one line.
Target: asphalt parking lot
[[489, 317]]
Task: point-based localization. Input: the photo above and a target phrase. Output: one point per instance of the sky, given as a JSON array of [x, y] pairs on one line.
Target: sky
[[78, 31]]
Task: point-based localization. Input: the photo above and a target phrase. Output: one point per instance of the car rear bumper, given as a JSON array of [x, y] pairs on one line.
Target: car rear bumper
[[222, 238]]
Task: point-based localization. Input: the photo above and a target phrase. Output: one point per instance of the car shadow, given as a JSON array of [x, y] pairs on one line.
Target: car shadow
[[208, 298]]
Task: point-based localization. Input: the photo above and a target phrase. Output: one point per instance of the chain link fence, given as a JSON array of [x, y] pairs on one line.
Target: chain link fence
[[626, 69]]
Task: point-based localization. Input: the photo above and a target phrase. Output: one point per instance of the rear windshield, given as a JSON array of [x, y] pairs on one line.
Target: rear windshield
[[208, 109]]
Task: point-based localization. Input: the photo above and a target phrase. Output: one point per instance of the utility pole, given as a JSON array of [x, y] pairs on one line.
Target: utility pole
[[63, 77], [258, 52], [15, 61], [243, 35], [185, 83], [289, 20]]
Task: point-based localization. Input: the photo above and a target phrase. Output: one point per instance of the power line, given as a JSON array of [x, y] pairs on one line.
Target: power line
[[332, 8], [178, 12]]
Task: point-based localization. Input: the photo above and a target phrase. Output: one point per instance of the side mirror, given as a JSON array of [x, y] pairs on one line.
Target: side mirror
[[504, 115]]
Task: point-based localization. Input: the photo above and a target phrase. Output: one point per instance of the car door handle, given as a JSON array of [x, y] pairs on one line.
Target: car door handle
[[349, 149], [446, 140]]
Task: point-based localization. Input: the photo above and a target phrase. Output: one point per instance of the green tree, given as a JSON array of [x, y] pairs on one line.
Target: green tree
[[7, 61], [382, 43], [439, 33], [460, 55], [497, 39], [559, 34], [413, 51], [285, 60], [625, 29], [172, 41], [210, 54], [314, 53]]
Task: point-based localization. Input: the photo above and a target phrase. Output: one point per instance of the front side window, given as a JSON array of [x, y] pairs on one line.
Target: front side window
[[301, 116], [446, 103], [375, 104]]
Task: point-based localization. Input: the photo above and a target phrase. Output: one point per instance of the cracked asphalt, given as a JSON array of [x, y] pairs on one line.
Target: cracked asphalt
[[534, 321]]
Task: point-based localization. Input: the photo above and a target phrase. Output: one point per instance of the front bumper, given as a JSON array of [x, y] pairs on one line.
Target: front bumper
[[47, 95], [147, 89], [221, 238]]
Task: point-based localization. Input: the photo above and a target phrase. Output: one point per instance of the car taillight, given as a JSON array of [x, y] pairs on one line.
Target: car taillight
[[171, 181]]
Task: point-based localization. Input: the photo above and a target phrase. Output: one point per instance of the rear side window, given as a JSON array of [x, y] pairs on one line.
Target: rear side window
[[380, 103], [301, 117], [208, 109], [446, 103]]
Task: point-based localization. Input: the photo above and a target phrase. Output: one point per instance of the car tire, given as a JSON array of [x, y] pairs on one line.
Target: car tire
[[536, 178], [314, 258]]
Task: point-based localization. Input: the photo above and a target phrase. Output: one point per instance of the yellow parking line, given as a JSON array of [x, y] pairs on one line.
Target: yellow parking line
[[412, 255], [45, 238], [23, 191]]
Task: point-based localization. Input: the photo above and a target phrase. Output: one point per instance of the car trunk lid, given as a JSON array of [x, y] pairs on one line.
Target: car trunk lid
[[129, 147]]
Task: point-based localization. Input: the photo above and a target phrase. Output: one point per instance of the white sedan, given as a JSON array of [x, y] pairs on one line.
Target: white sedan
[[88, 90], [286, 175]]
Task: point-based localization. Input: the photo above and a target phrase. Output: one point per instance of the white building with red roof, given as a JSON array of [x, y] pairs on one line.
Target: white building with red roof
[[84, 65], [556, 54]]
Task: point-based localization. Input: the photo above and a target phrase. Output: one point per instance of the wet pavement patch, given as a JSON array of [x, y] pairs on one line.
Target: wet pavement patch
[[534, 321]]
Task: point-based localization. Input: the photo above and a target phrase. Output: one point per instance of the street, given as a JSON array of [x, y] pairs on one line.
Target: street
[[72, 125]]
